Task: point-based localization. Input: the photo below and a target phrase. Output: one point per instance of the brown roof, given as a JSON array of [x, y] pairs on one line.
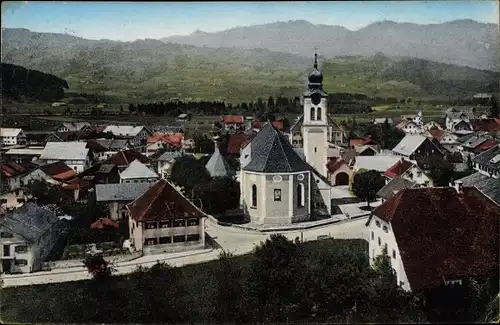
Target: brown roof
[[487, 124], [95, 146], [227, 119], [124, 158], [56, 168], [361, 142], [235, 142], [103, 223], [161, 201], [334, 164], [444, 234], [436, 134], [398, 168]]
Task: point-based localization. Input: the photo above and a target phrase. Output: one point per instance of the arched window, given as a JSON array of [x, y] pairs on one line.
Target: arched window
[[301, 200], [318, 113], [254, 195], [312, 114]]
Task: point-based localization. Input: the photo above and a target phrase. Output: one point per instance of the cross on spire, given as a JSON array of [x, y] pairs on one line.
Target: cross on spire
[[315, 58]]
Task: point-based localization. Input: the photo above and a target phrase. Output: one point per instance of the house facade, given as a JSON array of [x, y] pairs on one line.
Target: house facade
[[336, 134], [163, 220], [417, 148], [12, 136], [27, 236], [75, 154], [116, 196], [137, 172], [433, 244], [136, 134]]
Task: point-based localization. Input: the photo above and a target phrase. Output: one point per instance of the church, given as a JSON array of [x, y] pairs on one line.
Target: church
[[278, 185]]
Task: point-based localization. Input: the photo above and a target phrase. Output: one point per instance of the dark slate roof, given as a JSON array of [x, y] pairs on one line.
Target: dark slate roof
[[169, 155], [29, 221], [490, 158], [166, 128], [120, 191], [395, 185], [272, 153], [488, 185]]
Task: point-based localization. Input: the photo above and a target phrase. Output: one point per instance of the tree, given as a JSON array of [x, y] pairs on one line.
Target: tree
[[218, 195], [365, 185], [270, 104], [228, 298], [98, 267], [187, 172], [440, 170], [271, 293]]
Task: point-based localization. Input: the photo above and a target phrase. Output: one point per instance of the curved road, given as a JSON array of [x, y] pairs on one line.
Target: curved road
[[235, 240]]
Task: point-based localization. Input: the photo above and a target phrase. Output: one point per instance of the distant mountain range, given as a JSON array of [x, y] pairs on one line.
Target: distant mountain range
[[461, 42], [147, 70]]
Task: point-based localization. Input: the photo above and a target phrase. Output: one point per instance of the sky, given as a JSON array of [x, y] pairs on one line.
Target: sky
[[128, 21]]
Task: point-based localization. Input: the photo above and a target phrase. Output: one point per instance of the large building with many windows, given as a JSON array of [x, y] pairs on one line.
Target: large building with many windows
[[163, 220]]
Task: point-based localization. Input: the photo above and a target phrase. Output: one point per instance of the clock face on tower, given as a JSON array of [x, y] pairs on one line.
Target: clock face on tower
[[316, 98]]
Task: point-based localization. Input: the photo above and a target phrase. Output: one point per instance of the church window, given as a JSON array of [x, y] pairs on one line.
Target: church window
[[301, 195], [318, 113], [315, 149], [254, 196], [312, 114], [277, 194]]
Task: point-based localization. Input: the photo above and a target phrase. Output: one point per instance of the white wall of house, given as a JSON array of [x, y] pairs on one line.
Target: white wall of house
[[416, 175], [77, 165], [14, 198], [38, 175], [486, 171], [164, 168], [380, 234], [13, 140]]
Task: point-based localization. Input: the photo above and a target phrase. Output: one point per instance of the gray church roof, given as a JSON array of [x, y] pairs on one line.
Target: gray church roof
[[217, 165], [272, 153]]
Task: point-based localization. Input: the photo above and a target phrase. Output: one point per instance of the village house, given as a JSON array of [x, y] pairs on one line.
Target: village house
[[182, 118], [113, 146], [137, 172], [394, 186], [100, 173], [13, 173], [12, 136], [54, 173], [167, 129], [74, 154], [65, 136], [23, 155], [446, 139], [418, 148], [123, 159], [339, 172], [27, 236], [408, 170], [165, 163], [14, 199], [235, 142], [257, 125], [163, 220], [411, 124], [158, 142], [382, 120], [96, 151], [459, 120], [491, 125], [379, 163], [433, 244], [233, 122], [476, 143], [136, 134], [116, 196], [433, 125], [71, 126], [485, 179]]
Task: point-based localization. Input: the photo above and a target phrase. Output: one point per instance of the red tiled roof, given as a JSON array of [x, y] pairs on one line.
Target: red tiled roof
[[55, 168], [235, 142], [361, 142], [441, 233], [485, 145], [170, 139], [402, 123], [64, 175], [161, 201], [437, 134], [124, 158], [229, 119], [103, 223], [11, 168], [488, 125], [277, 124], [398, 168], [334, 164]]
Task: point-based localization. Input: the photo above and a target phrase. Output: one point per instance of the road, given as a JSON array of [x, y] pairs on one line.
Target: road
[[235, 240]]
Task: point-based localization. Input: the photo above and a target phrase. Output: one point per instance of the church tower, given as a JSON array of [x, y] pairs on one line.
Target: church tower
[[315, 125]]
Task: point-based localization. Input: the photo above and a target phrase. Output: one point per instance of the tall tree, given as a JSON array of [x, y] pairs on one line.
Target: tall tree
[[495, 109], [187, 172], [365, 185]]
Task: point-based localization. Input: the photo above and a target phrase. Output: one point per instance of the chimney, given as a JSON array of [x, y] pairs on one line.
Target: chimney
[[459, 186]]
